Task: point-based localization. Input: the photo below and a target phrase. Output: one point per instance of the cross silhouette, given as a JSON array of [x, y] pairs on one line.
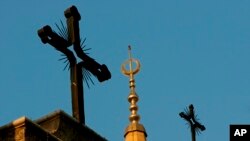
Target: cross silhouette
[[87, 64], [190, 117]]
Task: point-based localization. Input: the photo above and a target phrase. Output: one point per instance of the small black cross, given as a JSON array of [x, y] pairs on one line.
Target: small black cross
[[61, 44], [190, 117]]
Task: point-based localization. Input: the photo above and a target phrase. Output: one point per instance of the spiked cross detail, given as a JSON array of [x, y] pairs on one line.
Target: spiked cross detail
[[191, 118], [67, 37]]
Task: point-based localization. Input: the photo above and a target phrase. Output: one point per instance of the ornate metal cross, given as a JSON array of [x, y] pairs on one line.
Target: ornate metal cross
[[62, 43], [190, 117]]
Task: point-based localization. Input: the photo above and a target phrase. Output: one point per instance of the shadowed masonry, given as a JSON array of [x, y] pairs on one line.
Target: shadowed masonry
[[77, 69]]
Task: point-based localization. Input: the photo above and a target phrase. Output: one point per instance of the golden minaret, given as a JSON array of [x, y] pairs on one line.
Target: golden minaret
[[134, 131]]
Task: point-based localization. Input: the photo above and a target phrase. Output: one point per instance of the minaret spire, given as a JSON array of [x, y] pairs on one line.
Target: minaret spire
[[135, 131]]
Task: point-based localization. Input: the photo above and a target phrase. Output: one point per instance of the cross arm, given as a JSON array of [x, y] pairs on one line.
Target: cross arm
[[48, 36], [100, 71], [186, 117]]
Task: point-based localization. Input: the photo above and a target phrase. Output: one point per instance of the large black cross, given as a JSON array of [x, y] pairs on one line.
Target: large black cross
[[61, 44], [190, 117]]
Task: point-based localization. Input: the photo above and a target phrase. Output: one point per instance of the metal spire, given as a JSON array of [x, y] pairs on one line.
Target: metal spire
[[132, 98], [134, 131]]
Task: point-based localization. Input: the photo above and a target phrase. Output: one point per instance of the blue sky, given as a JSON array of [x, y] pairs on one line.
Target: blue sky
[[191, 52]]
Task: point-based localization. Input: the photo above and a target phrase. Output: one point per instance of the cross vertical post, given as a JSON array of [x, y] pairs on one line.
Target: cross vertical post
[[193, 133], [73, 17], [77, 93]]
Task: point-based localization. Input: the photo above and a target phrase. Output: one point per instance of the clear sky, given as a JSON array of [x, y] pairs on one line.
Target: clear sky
[[191, 51]]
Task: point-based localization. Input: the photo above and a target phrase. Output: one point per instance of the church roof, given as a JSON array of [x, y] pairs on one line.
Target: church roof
[[56, 126]]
